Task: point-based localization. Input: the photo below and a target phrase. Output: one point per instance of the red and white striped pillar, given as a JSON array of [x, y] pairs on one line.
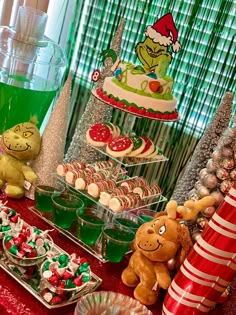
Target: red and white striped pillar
[[209, 268]]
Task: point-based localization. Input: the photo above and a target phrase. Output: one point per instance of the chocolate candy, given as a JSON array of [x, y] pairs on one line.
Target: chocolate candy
[[9, 220], [29, 243], [63, 273]]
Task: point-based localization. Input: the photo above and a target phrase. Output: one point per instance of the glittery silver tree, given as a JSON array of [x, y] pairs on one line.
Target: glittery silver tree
[[216, 178], [53, 140], [96, 111], [204, 149]]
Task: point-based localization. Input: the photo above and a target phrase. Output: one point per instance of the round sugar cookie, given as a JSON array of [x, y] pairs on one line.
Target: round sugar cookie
[[156, 154], [148, 149], [138, 146], [112, 127], [119, 146], [118, 130], [99, 134]]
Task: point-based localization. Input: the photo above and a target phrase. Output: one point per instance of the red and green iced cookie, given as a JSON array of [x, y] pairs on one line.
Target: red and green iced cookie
[[138, 146], [157, 154], [148, 149], [99, 134], [119, 146]]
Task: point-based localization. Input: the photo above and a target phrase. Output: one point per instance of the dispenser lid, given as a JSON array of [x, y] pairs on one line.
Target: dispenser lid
[[30, 25], [26, 41]]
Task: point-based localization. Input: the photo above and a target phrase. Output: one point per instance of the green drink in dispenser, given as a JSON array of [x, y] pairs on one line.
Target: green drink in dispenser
[[31, 69]]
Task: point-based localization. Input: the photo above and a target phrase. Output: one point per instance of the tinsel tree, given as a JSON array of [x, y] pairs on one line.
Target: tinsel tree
[[204, 149], [96, 111], [216, 178], [53, 140]]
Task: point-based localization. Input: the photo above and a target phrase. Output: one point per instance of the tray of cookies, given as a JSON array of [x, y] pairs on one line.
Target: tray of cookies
[[126, 148]]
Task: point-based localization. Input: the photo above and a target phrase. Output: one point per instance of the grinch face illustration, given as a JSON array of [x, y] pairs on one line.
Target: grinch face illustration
[[153, 56]]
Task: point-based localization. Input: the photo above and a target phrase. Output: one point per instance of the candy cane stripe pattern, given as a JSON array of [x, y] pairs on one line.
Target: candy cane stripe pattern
[[209, 268]]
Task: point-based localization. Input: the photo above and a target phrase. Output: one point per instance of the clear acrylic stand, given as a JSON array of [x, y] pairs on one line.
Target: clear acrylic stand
[[95, 250], [146, 202]]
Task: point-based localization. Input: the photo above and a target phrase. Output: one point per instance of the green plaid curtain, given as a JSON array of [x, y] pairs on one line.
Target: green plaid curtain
[[203, 70]]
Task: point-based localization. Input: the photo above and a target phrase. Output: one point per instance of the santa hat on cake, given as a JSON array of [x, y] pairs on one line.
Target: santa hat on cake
[[164, 32]]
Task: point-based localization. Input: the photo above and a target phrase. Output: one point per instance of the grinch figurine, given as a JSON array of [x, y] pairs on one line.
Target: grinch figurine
[[20, 144]]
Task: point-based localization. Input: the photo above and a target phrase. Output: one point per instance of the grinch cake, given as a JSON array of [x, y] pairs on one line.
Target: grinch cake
[[145, 90]]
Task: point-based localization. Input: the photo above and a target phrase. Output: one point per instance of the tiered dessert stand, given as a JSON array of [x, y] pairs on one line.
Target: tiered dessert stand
[[118, 163]]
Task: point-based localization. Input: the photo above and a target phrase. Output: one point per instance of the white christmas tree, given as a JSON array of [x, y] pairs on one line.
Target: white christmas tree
[[96, 111], [53, 140]]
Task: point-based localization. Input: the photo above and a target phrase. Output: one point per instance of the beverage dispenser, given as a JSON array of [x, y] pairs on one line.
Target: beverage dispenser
[[31, 69]]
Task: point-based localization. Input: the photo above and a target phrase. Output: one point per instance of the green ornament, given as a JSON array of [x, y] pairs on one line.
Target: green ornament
[[17, 271], [63, 265], [84, 267], [78, 273]]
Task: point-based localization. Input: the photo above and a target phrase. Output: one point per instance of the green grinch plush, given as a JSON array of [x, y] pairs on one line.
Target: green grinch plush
[[20, 144]]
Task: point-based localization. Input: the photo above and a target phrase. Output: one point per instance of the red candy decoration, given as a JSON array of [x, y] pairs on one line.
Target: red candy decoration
[[15, 218], [136, 110], [78, 281], [32, 254], [53, 280], [67, 275], [210, 266], [154, 86], [56, 300], [83, 260]]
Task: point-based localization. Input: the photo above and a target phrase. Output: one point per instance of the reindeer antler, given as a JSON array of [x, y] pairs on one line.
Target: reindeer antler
[[190, 208]]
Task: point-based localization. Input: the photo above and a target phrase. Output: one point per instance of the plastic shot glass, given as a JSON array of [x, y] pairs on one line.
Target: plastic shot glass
[[65, 207], [145, 215], [90, 223], [116, 241], [128, 220], [43, 197]]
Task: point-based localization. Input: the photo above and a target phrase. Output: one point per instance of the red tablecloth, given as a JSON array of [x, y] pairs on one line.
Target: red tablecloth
[[16, 300]]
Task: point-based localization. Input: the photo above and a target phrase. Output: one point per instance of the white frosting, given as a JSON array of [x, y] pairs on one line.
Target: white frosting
[[141, 81], [142, 101]]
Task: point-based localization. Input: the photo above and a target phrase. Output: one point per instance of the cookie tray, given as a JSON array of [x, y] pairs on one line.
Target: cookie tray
[[128, 161], [31, 285]]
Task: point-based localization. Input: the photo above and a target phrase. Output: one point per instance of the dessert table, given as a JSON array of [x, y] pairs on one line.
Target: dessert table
[[16, 300]]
